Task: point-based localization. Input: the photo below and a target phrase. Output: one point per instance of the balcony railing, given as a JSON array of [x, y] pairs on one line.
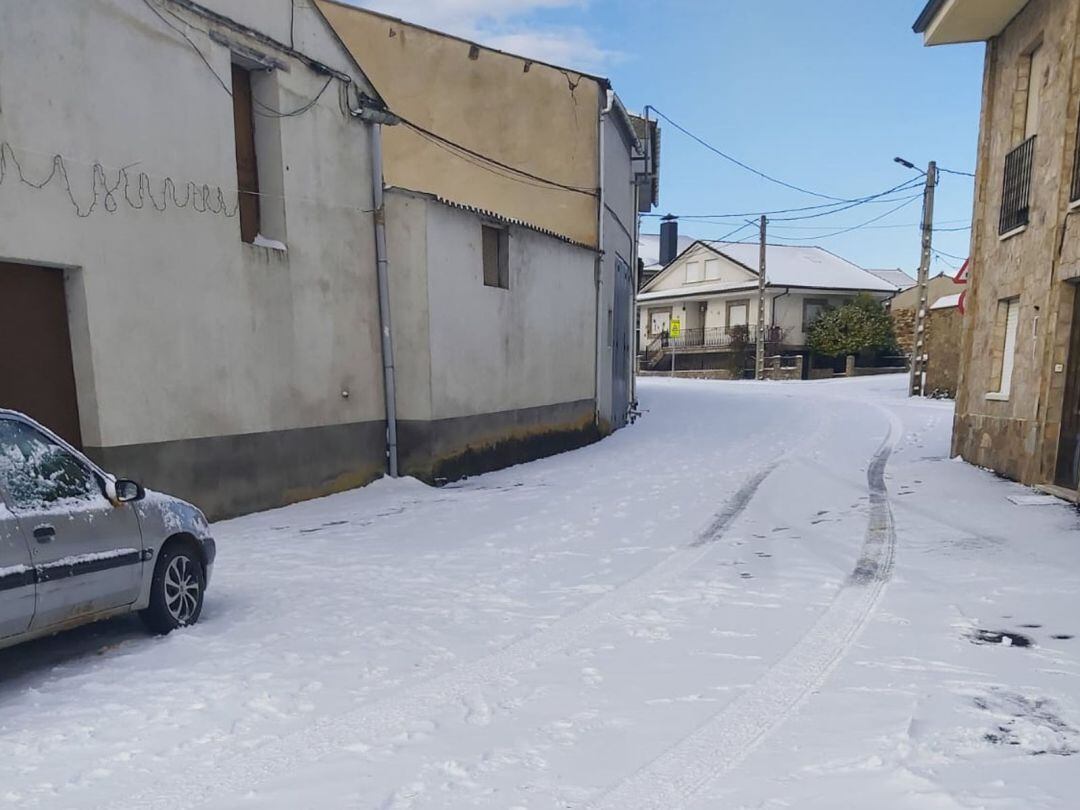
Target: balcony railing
[[1016, 190], [720, 337]]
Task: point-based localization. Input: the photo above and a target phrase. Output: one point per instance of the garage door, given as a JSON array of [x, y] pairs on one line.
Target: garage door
[[36, 372]]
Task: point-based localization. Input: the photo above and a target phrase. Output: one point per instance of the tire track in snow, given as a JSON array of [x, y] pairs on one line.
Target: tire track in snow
[[676, 777], [393, 714]]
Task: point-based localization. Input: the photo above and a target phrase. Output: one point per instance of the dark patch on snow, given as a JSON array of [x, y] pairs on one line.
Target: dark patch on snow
[[823, 512], [780, 529], [1062, 637], [1030, 723], [1002, 637], [1031, 626], [336, 523], [746, 575], [763, 555]]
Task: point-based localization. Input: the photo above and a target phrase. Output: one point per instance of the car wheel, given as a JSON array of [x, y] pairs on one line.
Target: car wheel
[[176, 591]]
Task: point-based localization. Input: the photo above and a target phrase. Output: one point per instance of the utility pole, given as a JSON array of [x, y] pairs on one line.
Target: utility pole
[[759, 358], [918, 348]]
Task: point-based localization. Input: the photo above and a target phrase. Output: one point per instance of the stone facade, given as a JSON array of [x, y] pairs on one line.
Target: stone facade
[[902, 308], [943, 341], [1016, 433]]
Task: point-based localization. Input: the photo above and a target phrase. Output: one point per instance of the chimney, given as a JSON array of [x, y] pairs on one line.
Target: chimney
[[669, 239]]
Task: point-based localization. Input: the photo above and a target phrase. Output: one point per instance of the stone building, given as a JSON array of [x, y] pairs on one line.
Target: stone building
[[902, 307], [1019, 383], [944, 330]]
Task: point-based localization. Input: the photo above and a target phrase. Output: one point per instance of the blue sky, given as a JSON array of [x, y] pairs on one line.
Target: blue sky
[[822, 95]]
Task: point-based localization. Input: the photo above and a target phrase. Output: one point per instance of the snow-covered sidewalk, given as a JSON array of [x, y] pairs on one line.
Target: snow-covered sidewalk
[[760, 595]]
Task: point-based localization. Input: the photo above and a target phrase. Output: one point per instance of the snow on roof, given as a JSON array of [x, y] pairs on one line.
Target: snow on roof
[[947, 302], [698, 289], [786, 266], [649, 248], [897, 277], [804, 266]]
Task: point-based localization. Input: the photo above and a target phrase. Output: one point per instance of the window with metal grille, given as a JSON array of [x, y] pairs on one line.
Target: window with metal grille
[[1016, 189]]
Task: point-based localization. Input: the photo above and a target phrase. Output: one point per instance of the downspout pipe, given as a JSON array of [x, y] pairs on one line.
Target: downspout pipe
[[609, 98], [376, 119], [382, 275], [787, 291]]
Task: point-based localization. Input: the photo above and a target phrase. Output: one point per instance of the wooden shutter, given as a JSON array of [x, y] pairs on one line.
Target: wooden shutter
[[247, 168]]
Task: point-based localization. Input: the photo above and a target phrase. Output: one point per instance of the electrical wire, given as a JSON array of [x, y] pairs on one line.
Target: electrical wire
[[870, 198], [727, 236], [739, 163], [264, 110], [957, 172], [514, 170], [891, 211], [951, 255]]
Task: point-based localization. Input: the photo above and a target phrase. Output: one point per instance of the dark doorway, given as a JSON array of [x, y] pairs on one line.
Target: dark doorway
[[1068, 455], [37, 376]]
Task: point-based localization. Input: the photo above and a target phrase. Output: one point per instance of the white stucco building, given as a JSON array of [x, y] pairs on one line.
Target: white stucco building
[[709, 294], [224, 347], [493, 329], [189, 262]]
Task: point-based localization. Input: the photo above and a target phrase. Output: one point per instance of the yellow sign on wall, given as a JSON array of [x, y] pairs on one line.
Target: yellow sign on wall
[[676, 328]]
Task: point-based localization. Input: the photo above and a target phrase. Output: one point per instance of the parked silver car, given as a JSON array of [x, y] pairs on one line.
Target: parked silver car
[[78, 545]]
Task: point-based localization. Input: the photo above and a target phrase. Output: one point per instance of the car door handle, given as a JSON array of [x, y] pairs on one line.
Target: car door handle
[[44, 534]]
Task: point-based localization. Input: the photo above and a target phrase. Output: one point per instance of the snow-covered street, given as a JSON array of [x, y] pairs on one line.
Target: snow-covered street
[[761, 595]]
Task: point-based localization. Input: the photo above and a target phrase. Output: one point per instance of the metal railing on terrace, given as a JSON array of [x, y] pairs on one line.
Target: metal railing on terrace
[[714, 337], [1016, 189]]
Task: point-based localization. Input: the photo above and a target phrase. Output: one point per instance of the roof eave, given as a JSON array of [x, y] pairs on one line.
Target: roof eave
[[948, 22]]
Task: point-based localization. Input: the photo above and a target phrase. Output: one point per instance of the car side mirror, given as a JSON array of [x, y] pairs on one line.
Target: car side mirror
[[128, 491]]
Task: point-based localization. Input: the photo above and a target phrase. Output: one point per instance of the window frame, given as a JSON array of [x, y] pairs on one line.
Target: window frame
[[739, 302], [495, 271], [808, 302], [700, 272], [1005, 346], [248, 200]]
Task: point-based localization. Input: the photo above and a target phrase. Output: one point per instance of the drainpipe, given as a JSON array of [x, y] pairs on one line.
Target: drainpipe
[[609, 98], [382, 274], [787, 291], [377, 118]]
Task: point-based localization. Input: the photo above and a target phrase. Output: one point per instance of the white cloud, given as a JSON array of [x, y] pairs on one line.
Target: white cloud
[[506, 25]]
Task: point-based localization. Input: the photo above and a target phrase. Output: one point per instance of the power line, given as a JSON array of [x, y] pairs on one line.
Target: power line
[[590, 192], [870, 198], [266, 111], [879, 217], [727, 236], [827, 227], [951, 255], [739, 163], [955, 171]]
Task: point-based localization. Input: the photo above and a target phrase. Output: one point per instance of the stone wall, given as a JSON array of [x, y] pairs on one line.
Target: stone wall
[[943, 332], [904, 328], [1016, 433]]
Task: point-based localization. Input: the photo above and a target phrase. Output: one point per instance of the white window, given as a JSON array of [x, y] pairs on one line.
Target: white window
[[738, 313], [712, 269], [1008, 319], [693, 272]]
